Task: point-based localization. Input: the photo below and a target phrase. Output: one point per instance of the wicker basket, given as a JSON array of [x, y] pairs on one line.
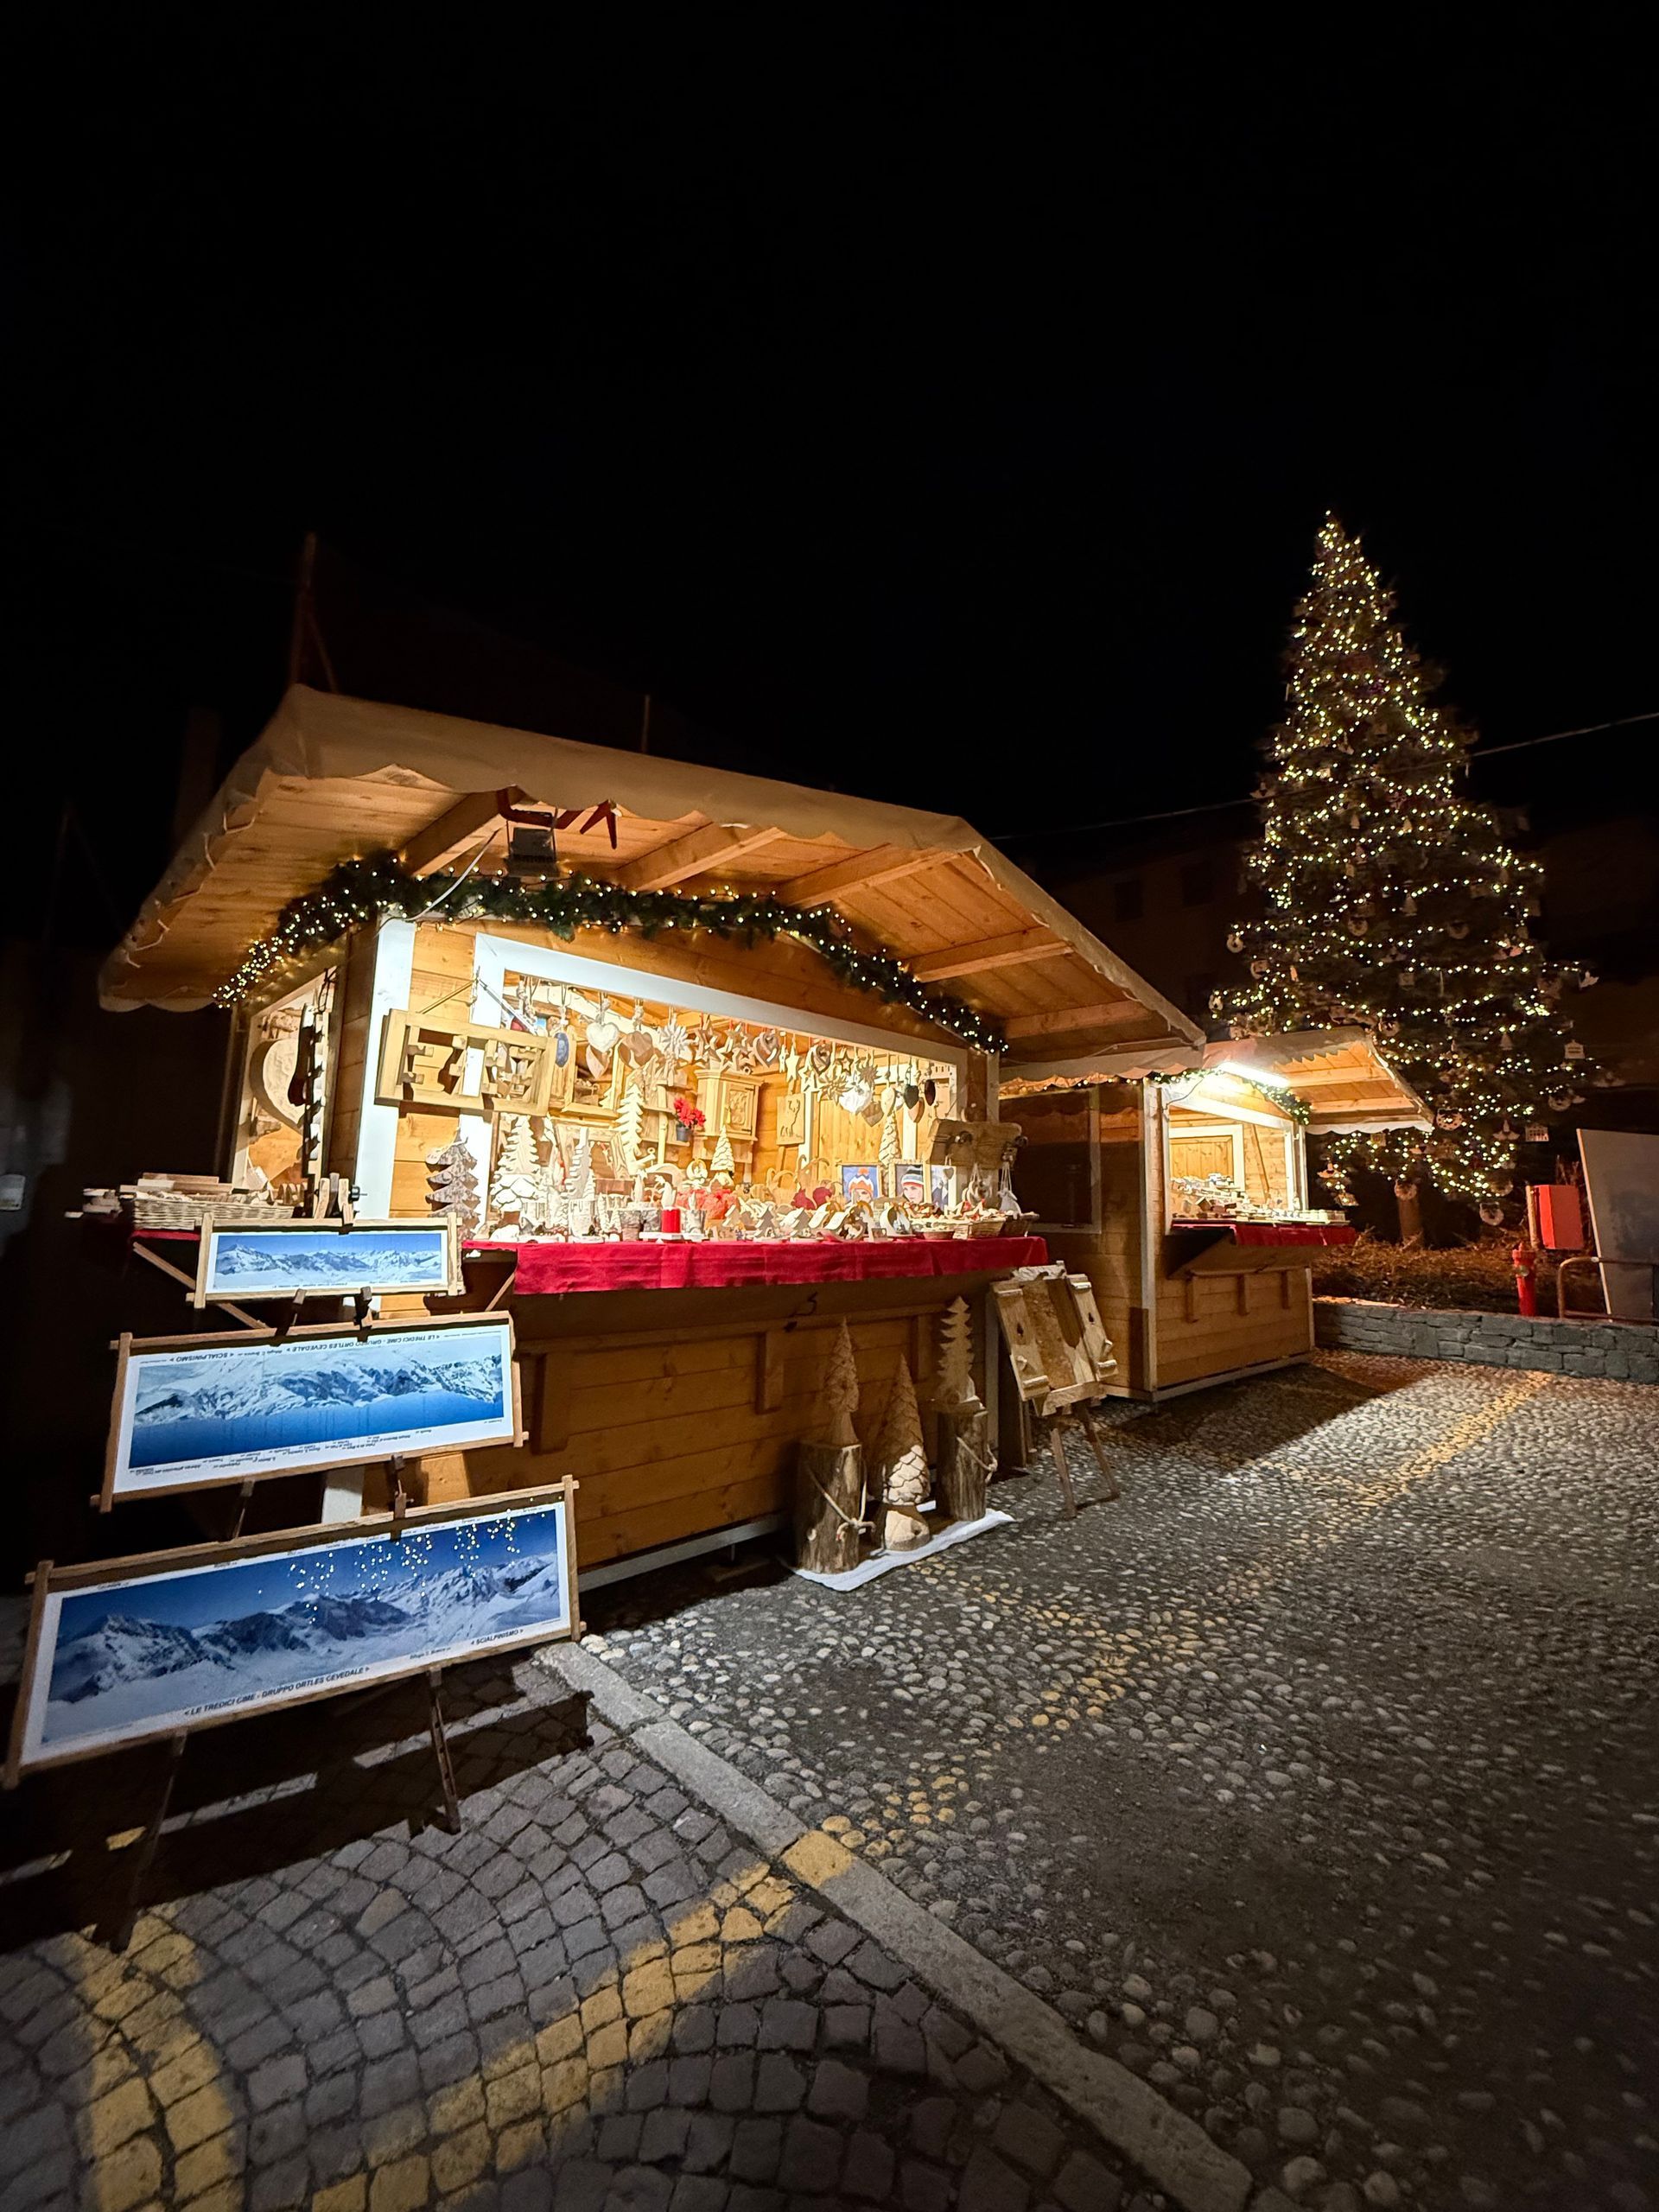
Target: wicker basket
[[180, 1209]]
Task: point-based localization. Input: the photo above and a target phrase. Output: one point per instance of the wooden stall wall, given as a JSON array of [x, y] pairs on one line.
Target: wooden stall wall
[[353, 1046], [690, 1424], [1111, 1255]]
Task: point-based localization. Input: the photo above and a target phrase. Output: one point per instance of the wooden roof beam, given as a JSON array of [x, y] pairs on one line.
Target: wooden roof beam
[[1014, 950], [858, 871], [713, 846], [1117, 1015], [1323, 1078], [452, 833]]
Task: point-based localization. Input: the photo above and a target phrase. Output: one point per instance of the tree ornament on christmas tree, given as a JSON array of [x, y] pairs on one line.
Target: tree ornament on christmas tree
[[1474, 1032], [452, 1186]]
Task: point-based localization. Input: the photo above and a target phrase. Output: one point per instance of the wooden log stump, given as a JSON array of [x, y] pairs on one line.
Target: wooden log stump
[[828, 1507], [964, 1464]]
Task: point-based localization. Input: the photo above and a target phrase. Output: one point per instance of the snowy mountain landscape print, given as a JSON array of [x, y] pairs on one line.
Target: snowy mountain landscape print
[[227, 1410], [150, 1654], [276, 1262]]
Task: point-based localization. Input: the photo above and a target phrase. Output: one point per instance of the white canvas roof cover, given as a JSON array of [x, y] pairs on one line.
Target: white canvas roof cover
[[1346, 1082], [333, 778]]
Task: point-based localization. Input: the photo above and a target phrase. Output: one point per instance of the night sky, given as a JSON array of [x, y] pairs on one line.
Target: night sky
[[944, 411]]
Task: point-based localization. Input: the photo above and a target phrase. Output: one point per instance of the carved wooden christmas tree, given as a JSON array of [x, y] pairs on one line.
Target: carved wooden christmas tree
[[954, 1380], [579, 1187], [629, 1131], [887, 1152], [829, 1473], [723, 1168], [452, 1186], [965, 1431], [902, 1467], [513, 1184]]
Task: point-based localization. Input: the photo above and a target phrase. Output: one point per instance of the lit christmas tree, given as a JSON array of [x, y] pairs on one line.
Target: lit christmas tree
[[1391, 898]]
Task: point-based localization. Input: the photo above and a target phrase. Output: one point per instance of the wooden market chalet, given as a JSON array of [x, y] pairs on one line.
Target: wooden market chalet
[[682, 1159]]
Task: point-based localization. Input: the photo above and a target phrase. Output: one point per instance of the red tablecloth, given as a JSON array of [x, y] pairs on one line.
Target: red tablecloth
[[551, 1267], [1279, 1232]]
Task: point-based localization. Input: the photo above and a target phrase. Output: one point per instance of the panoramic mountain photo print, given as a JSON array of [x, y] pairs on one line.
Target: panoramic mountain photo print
[[188, 1417], [145, 1657], [327, 1263]]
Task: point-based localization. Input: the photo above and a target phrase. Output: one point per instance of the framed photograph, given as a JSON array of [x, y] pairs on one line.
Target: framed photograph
[[940, 1188], [860, 1182], [325, 1259], [910, 1181], [192, 1411], [134, 1649]]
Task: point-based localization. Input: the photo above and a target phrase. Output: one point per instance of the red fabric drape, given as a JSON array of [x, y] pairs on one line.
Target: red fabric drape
[[1280, 1232], [548, 1268]]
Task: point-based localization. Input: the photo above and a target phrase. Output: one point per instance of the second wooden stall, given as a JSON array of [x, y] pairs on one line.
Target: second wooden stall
[[1178, 1183]]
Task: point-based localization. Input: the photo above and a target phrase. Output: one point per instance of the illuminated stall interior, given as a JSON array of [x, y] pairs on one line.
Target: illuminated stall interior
[[1179, 1185]]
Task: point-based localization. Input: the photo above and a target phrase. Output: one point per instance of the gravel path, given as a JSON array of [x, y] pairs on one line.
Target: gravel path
[[1317, 1780]]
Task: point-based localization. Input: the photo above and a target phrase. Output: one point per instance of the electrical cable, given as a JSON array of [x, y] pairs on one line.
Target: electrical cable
[[1225, 805]]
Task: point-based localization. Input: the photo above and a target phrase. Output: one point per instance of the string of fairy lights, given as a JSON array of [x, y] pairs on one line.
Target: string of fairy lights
[[1391, 899], [362, 893]]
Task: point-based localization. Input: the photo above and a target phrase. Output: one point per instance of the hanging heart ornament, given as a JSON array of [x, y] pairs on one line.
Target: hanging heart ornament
[[640, 1045], [603, 1032]]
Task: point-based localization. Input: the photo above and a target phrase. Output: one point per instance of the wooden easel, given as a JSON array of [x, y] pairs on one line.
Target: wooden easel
[[1060, 1359], [1053, 1422], [148, 1844]]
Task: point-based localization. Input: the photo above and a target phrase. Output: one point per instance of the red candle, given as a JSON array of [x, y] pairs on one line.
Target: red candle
[[670, 1221]]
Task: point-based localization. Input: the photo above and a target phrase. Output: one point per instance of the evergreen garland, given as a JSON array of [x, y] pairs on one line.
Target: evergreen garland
[[364, 891]]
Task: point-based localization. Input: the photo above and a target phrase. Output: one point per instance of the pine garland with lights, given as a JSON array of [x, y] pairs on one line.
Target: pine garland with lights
[[1276, 1093], [1392, 899], [361, 893]]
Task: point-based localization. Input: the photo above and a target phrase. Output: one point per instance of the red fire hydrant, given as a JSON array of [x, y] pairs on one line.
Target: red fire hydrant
[[1524, 1260]]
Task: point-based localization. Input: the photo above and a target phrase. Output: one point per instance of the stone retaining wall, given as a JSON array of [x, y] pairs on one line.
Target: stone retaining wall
[[1627, 1351]]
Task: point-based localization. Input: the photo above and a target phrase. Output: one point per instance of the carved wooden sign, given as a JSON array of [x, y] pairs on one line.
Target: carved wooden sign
[[466, 1066]]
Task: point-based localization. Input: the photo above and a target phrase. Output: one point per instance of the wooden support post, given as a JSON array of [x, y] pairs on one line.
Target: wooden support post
[[144, 1854], [397, 1496], [1056, 1425], [1086, 1415], [768, 1371], [441, 1753]]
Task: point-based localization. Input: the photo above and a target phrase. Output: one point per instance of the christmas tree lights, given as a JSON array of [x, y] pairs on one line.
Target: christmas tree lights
[[1391, 898]]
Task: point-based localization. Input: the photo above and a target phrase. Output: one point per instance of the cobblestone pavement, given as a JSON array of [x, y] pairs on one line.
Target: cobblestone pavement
[[594, 1996], [1317, 1781]]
